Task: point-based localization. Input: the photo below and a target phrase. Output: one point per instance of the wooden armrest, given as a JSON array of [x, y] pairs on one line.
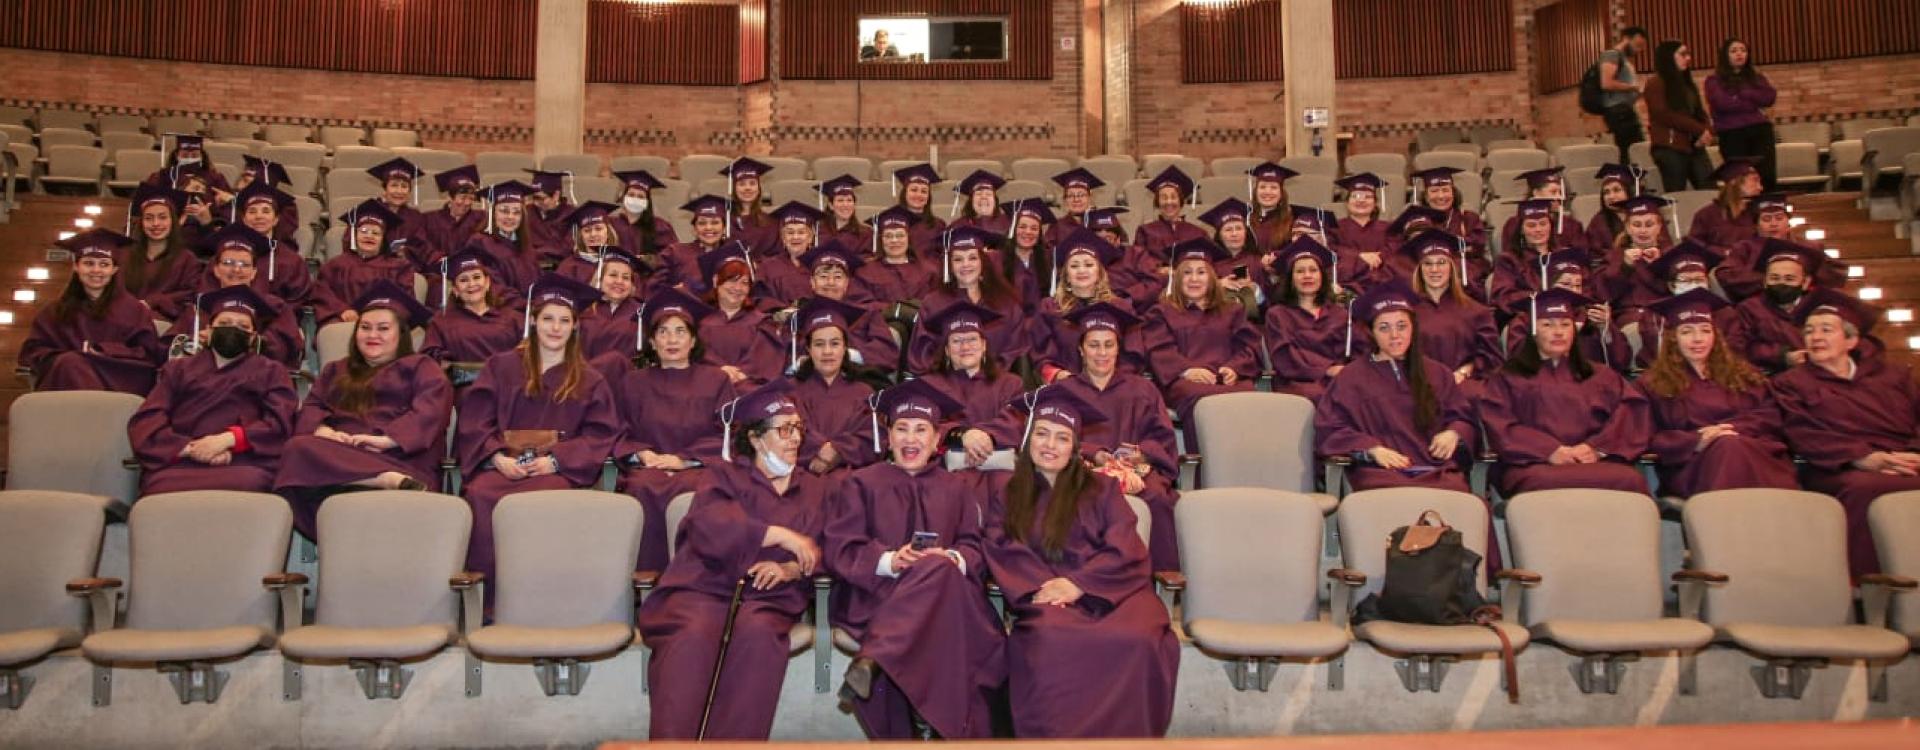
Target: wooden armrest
[[1171, 580], [1348, 576], [1707, 576], [1342, 461], [86, 585], [1888, 580], [646, 579], [1521, 575], [284, 579], [466, 579]]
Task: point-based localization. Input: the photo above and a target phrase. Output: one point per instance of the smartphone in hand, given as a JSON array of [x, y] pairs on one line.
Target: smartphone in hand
[[924, 539]]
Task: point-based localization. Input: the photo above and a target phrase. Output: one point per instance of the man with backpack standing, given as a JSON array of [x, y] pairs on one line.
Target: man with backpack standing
[[1611, 87]]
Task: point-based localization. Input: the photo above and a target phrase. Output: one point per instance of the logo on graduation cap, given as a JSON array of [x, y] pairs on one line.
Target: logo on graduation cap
[[776, 406], [379, 302], [1390, 303], [1057, 413], [234, 304], [1557, 308], [913, 408], [1689, 316]]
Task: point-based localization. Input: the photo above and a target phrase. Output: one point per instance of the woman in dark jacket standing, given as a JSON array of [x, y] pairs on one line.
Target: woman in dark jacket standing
[[1678, 121], [1738, 96]]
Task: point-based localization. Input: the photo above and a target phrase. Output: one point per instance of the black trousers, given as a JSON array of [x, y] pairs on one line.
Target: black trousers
[[1624, 123], [1683, 171], [1753, 142]]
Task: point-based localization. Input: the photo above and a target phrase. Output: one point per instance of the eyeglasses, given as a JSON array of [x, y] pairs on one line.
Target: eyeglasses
[[232, 263], [790, 431]]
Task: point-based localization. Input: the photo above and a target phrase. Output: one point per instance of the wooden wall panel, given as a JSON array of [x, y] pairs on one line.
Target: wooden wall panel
[[752, 20], [1781, 31], [1567, 37], [819, 39], [664, 43], [1238, 40], [1234, 41]]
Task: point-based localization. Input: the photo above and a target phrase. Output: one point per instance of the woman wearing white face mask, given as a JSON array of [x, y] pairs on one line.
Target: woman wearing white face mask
[[641, 231]]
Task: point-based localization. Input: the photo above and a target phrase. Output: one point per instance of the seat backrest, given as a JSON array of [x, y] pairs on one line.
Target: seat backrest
[[1506, 184], [1464, 161], [1310, 189], [697, 167], [394, 137], [233, 129], [301, 181], [1895, 518], [581, 165], [307, 155], [1025, 190], [490, 162], [51, 137], [828, 167], [783, 168], [46, 539], [12, 115], [72, 441], [1465, 148], [1325, 166], [1386, 166], [1852, 130], [1142, 518], [1139, 199], [958, 169], [1512, 144], [1584, 207], [1890, 145], [781, 191], [1233, 166], [1516, 160], [1820, 134], [1431, 138], [1038, 169], [1217, 188], [1586, 155], [1492, 132], [122, 124], [389, 554], [603, 189], [435, 160], [1582, 180], [1556, 143], [1112, 169], [281, 133], [116, 141], [1249, 554], [565, 557], [226, 153], [1280, 458], [343, 184], [676, 512], [1843, 157], [179, 124], [1797, 159], [1369, 517], [719, 186], [335, 136], [332, 341], [1597, 553], [1471, 190], [358, 157], [136, 164], [198, 558], [1686, 203], [1154, 164], [1784, 552], [65, 119]]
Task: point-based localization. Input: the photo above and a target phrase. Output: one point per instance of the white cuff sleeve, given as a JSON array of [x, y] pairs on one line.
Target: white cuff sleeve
[[885, 568], [958, 560]]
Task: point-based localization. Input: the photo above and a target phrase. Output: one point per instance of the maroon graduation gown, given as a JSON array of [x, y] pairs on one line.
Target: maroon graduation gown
[[589, 424], [1516, 276], [1370, 403], [1056, 340], [629, 234], [1009, 337], [1609, 350], [668, 411], [761, 234], [999, 223], [747, 340], [783, 280], [170, 291], [119, 351], [1764, 333], [836, 413], [1455, 333], [1715, 229], [552, 240], [517, 270], [456, 334], [1755, 456], [445, 234], [1738, 277], [611, 330], [858, 236], [1104, 666], [940, 647], [1526, 418], [1350, 240], [682, 620], [1570, 234], [1137, 416], [345, 277], [1302, 346], [680, 266], [1187, 337], [412, 403], [1831, 422], [282, 341], [1156, 236], [194, 398], [888, 282], [985, 401]]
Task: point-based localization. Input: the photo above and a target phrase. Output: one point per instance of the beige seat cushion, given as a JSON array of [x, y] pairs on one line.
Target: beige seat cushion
[[334, 642], [524, 642], [1439, 639], [1298, 639], [175, 645], [1596, 636], [1328, 503], [844, 641], [1835, 642], [799, 638], [27, 645]]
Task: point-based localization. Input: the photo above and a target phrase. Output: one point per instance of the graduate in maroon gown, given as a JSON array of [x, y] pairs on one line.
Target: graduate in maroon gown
[[1563, 230], [1271, 221], [1436, 189], [254, 168], [476, 324], [1025, 261], [374, 420], [188, 158], [1413, 221], [1308, 333], [1729, 218], [969, 278], [1853, 417], [216, 420], [1397, 413], [160, 268], [1362, 243], [872, 342], [738, 337], [680, 264], [197, 219], [612, 326], [832, 392], [1773, 213], [283, 271], [1148, 260], [1198, 342], [898, 272], [966, 371], [547, 209], [667, 406], [1556, 420], [1091, 653], [753, 528], [1083, 258], [914, 185], [447, 228], [840, 199], [977, 204], [369, 256], [641, 230], [507, 239], [1455, 331], [1763, 328], [1715, 425], [784, 277], [399, 192], [235, 257], [590, 234], [748, 222], [1633, 270], [1595, 336], [1243, 272], [1520, 269], [95, 336], [1076, 199], [537, 418], [1135, 446], [902, 539]]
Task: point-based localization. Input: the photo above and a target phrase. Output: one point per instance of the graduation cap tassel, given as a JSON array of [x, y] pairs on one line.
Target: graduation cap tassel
[[1673, 216], [489, 209], [1460, 243], [1533, 315], [526, 322], [569, 180], [1349, 354], [726, 430], [640, 328], [793, 341], [196, 320], [1032, 401], [445, 283], [273, 251], [956, 204], [873, 410]]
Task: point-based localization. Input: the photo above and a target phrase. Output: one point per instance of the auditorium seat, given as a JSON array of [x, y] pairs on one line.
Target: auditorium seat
[[1227, 458], [1583, 180], [1470, 189], [1586, 155], [12, 115], [116, 142], [566, 584], [1553, 145], [346, 188], [335, 136], [1491, 133], [1583, 207], [958, 169], [226, 153], [802, 191], [1465, 161], [1252, 565], [1516, 160], [198, 562], [1039, 169], [431, 160], [1139, 201], [1432, 138], [394, 138], [1368, 517], [1820, 134], [1384, 166], [121, 124], [783, 168], [1310, 189], [179, 124], [1234, 166], [1843, 162], [308, 155], [1463, 148], [73, 441], [1686, 203], [1324, 166], [1776, 565], [1506, 185], [1153, 164], [333, 340], [1850, 130], [510, 162], [329, 244], [1214, 189], [658, 166], [64, 119], [69, 166], [1600, 594], [358, 158], [696, 167], [1026, 190], [1895, 519], [130, 167], [1885, 153], [720, 186], [1113, 169], [1798, 165], [390, 558], [233, 129], [46, 539], [579, 165], [281, 133], [50, 137], [828, 167], [879, 194]]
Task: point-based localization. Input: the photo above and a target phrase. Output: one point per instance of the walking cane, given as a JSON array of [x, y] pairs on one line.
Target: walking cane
[[720, 659]]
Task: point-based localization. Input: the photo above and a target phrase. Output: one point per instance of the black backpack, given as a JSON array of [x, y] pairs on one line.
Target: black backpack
[[1592, 97], [1431, 580]]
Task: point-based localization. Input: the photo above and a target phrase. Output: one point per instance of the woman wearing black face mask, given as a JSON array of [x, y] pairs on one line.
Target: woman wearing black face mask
[[1761, 328], [217, 419]]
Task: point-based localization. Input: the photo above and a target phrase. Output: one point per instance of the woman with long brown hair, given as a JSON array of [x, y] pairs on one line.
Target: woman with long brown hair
[[1738, 96], [374, 420], [508, 238], [1715, 425], [747, 221], [160, 268], [1731, 217], [537, 418], [1398, 413], [1090, 653], [94, 336], [968, 276]]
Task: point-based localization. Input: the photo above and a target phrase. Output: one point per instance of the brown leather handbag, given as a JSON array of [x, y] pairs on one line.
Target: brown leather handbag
[[525, 443]]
